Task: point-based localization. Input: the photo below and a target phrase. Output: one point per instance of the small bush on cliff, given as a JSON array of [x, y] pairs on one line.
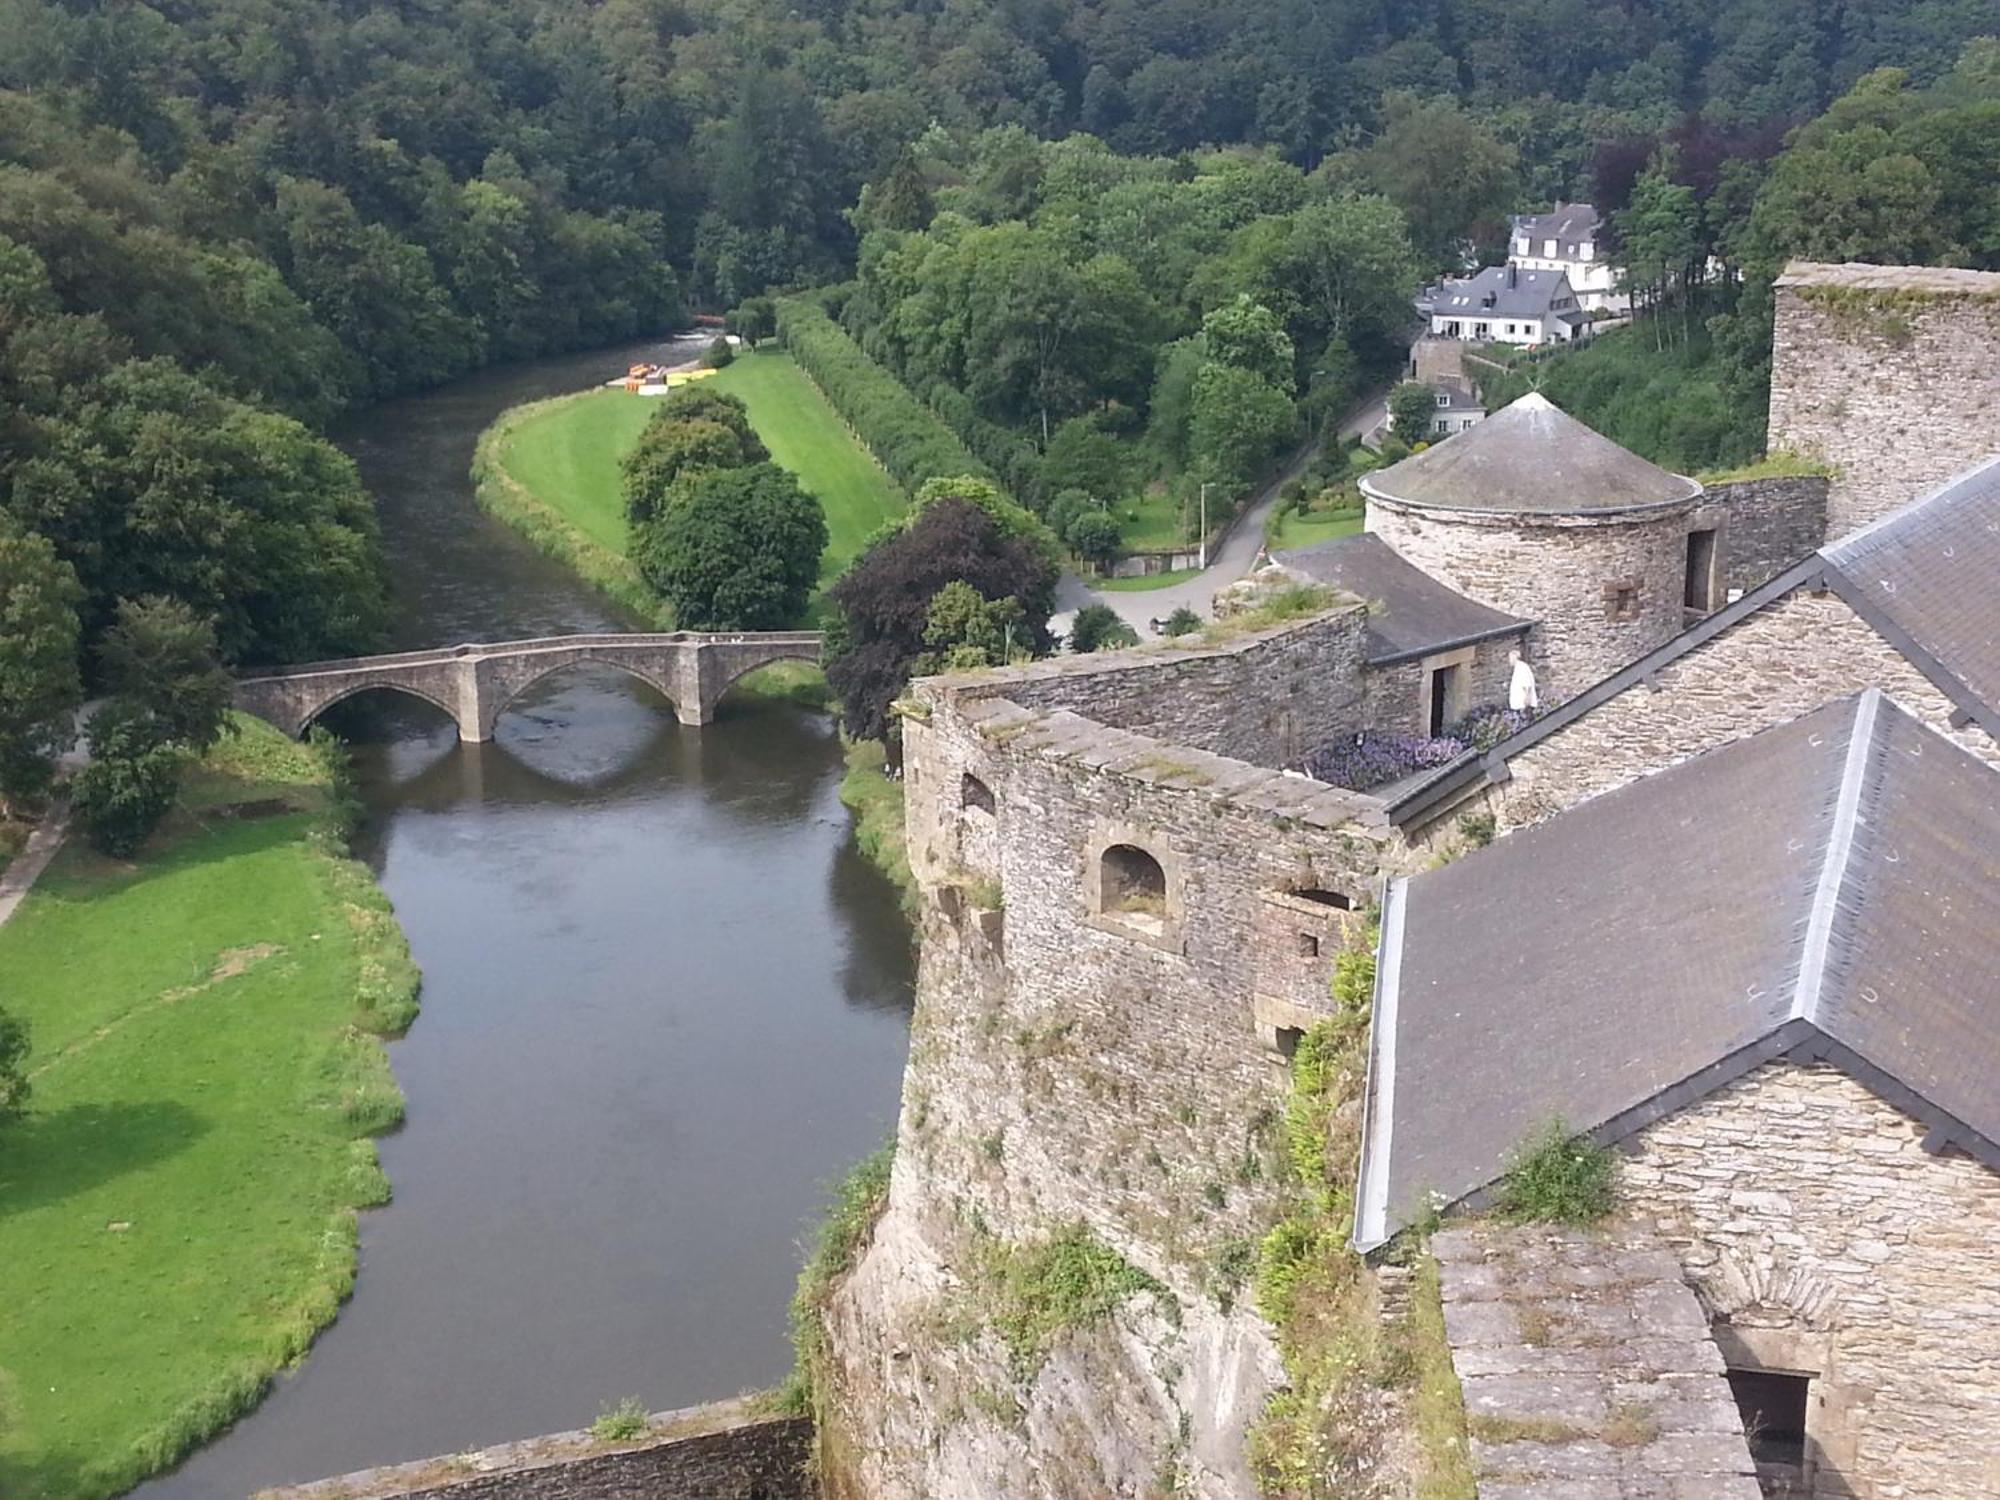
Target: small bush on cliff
[[621, 1423], [1558, 1178], [858, 1201], [1037, 1291]]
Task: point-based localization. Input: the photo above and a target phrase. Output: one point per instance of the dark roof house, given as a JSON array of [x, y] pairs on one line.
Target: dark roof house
[[1503, 292], [1922, 578], [1411, 614], [1570, 225], [1827, 891]]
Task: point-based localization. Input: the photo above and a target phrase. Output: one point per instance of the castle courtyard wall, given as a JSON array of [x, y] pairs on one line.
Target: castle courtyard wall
[[1891, 374], [1766, 525], [1824, 1240]]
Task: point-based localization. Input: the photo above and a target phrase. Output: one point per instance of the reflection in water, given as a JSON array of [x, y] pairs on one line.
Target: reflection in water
[[665, 1005]]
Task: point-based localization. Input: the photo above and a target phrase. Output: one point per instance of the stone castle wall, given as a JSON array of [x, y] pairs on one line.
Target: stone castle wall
[[1563, 573], [1072, 1064], [1266, 698], [1889, 373], [724, 1451], [1398, 700], [1786, 659], [1766, 525], [1825, 1240]]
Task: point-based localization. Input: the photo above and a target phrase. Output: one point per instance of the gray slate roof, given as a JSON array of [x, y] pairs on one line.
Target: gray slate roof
[[1826, 890], [1567, 223], [1930, 570], [1530, 456], [1922, 576], [1411, 613], [1516, 293]]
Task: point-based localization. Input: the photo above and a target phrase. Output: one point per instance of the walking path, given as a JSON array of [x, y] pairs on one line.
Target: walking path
[[1233, 560], [20, 876]]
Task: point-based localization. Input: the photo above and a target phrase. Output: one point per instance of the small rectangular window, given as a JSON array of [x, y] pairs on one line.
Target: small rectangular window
[[1698, 593], [1308, 945]]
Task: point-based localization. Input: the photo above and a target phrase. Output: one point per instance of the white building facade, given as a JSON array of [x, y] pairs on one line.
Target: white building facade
[[1567, 239]]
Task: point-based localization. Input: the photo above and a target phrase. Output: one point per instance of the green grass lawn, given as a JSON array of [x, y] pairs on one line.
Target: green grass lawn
[[177, 1208], [1153, 521], [1305, 528], [805, 435], [1146, 581], [567, 454]]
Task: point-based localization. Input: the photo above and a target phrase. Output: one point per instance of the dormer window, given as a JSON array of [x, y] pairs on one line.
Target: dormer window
[[1442, 399], [1549, 249]]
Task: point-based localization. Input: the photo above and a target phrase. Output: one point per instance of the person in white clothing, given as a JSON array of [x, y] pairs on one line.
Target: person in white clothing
[[1521, 690]]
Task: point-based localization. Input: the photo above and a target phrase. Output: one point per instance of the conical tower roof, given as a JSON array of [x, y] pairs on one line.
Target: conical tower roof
[[1530, 456]]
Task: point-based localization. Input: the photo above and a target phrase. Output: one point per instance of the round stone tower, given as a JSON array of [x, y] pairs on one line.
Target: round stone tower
[[1533, 513]]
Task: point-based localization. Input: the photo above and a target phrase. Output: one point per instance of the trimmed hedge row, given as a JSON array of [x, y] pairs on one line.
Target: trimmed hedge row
[[906, 437]]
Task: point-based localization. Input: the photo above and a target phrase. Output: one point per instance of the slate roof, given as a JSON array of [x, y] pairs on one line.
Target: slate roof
[[1458, 393], [1530, 456], [1826, 890], [1569, 224], [1516, 292], [1411, 614], [1921, 576]]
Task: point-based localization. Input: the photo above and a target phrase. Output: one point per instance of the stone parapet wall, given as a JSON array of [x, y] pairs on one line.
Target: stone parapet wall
[[1784, 660], [1586, 1367], [725, 1451], [1265, 697], [1891, 374], [1767, 525], [1824, 1240], [1562, 572]]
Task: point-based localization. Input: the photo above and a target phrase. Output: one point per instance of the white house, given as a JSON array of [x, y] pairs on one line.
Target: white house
[[1457, 405], [1565, 239], [1505, 305]]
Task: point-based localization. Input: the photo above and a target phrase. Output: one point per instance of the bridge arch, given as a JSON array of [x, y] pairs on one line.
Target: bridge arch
[[810, 655], [385, 685], [505, 693]]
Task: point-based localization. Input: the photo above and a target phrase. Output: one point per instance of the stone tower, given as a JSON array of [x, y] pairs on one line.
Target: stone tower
[[1533, 513], [1889, 373]]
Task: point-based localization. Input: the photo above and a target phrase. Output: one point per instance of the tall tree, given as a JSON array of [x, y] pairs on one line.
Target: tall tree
[[161, 655], [40, 686], [734, 549]]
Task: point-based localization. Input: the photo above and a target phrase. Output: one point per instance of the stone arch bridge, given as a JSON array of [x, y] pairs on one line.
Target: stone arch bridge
[[474, 683]]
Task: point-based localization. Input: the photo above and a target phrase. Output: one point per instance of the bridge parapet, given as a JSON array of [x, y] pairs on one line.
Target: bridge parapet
[[476, 681]]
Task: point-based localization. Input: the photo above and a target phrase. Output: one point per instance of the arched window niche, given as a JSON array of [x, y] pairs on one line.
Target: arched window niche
[[1132, 890]]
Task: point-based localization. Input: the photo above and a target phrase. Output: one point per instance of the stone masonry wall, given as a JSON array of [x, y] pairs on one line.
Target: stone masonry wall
[[1266, 698], [1077, 1065], [1560, 572], [1786, 659], [724, 1451], [1891, 373], [1768, 524], [1396, 696], [1824, 1240]]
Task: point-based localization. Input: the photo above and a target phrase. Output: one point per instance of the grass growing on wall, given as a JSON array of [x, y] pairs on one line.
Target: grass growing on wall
[[177, 1211], [857, 1202]]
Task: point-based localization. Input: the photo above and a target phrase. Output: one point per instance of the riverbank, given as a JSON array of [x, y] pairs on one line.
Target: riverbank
[[550, 470], [178, 1209]]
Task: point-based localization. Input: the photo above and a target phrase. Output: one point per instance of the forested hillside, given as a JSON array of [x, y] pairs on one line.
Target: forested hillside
[[222, 223]]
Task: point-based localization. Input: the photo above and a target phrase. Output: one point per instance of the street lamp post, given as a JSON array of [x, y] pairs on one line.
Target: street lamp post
[[1204, 525]]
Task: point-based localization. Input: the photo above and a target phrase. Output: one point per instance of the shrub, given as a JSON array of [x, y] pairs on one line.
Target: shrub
[[906, 437], [13, 1069], [1373, 757], [1098, 626], [718, 355], [131, 781], [1558, 1178], [1183, 621], [1093, 535], [621, 1423]]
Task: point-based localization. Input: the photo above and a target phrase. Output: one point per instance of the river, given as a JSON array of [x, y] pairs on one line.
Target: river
[[665, 1006]]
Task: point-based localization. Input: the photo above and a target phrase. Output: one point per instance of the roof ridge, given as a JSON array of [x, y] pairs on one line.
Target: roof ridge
[[1857, 782]]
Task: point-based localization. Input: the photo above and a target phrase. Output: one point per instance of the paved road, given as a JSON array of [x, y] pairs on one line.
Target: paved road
[[1238, 555]]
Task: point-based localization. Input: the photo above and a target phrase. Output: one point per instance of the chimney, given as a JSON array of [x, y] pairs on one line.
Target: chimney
[[1513, 275]]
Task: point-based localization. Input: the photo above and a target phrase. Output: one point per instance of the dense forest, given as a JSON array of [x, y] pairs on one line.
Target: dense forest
[[1107, 240]]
